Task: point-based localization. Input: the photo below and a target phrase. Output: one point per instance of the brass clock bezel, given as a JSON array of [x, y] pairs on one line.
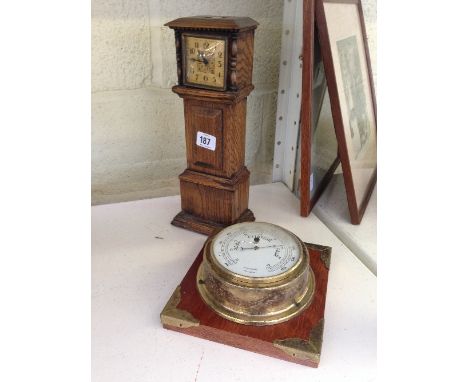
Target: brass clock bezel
[[184, 59]]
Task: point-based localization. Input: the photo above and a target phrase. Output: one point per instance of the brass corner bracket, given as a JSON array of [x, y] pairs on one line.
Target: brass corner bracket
[[173, 316], [304, 349], [325, 253]]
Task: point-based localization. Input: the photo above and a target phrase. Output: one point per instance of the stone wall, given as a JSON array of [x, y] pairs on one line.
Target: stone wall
[[138, 146]]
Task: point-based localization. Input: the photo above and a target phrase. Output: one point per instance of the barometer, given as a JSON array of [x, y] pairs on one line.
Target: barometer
[[258, 287], [256, 273]]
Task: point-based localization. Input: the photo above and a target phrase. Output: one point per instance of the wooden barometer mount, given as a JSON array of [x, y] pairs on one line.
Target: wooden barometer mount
[[258, 287], [214, 69]]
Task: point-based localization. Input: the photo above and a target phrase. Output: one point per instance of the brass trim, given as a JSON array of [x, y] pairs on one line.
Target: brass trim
[[259, 282], [256, 300], [228, 303], [304, 349], [245, 317], [325, 253], [173, 316]]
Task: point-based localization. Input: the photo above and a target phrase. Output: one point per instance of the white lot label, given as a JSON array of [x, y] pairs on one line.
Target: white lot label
[[206, 141]]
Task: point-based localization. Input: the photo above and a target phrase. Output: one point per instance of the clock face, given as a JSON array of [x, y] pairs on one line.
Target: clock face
[[205, 61], [256, 249]]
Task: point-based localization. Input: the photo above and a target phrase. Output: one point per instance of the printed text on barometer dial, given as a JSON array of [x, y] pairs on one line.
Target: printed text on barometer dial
[[256, 254]]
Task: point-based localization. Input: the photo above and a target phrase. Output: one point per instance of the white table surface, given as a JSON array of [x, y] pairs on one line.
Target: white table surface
[[332, 210], [138, 259]]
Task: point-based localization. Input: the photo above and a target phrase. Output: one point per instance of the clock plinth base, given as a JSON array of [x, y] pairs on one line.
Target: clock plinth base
[[210, 202], [206, 227], [297, 340]]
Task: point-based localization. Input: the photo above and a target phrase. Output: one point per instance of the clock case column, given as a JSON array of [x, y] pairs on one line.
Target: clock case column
[[215, 186]]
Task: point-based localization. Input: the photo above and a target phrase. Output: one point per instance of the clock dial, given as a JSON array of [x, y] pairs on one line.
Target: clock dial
[[256, 249], [205, 61]]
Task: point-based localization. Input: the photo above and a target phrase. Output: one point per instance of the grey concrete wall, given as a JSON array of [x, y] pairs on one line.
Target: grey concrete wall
[[138, 146]]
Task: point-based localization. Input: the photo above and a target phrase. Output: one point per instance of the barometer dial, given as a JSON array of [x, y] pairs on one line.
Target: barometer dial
[[256, 250]]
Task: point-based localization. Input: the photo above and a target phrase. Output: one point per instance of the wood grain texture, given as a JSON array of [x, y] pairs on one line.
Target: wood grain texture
[[203, 117], [207, 227], [259, 339], [239, 64], [178, 45], [214, 23], [240, 60], [311, 55], [215, 187], [213, 96], [212, 198], [306, 102], [214, 181], [226, 122]]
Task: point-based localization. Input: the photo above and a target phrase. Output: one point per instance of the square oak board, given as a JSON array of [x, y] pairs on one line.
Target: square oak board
[[297, 340]]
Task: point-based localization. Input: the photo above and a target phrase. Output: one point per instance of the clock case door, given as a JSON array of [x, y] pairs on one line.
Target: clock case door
[[218, 120]]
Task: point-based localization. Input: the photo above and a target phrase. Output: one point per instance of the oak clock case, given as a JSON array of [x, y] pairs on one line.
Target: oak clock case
[[214, 69]]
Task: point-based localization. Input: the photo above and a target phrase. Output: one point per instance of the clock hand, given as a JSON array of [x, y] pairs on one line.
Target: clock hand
[[202, 54], [205, 61], [210, 54], [211, 50]]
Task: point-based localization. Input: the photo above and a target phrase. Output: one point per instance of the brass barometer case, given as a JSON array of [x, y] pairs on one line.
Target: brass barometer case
[[256, 274]]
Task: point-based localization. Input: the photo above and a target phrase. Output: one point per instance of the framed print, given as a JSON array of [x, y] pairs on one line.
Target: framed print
[[318, 145], [342, 36]]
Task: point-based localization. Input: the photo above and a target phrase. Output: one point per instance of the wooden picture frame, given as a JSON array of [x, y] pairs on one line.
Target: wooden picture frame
[[311, 186], [345, 52]]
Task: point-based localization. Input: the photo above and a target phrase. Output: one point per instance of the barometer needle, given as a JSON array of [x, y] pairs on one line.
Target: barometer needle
[[268, 246]]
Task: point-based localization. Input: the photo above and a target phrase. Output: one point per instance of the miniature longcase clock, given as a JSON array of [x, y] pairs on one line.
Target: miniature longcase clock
[[214, 69]]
